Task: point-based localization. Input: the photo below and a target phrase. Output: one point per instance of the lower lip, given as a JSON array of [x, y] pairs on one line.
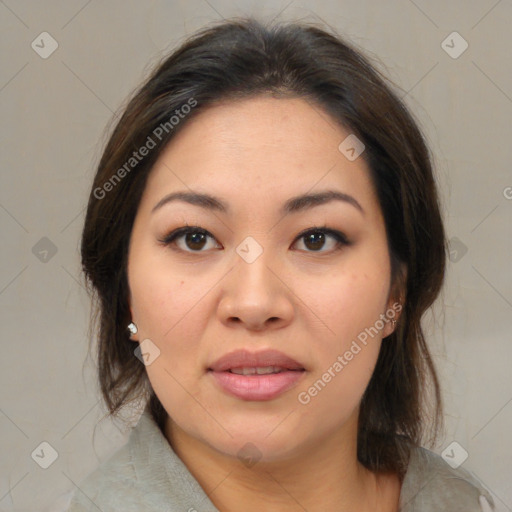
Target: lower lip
[[257, 387]]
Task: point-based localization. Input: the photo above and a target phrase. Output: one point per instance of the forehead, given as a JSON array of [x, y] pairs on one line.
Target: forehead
[[291, 125], [260, 148]]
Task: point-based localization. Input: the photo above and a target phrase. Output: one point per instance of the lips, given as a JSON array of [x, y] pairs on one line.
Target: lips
[[256, 376], [245, 359]]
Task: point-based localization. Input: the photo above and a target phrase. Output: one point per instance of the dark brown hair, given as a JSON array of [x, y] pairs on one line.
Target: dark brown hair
[[241, 58]]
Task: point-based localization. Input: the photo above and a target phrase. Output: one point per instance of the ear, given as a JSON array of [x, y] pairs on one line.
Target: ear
[[396, 300], [133, 337]]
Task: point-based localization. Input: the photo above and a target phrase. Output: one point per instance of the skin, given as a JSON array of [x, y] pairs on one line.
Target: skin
[[199, 302]]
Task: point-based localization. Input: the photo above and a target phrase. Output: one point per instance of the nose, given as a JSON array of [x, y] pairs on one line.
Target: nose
[[256, 296]]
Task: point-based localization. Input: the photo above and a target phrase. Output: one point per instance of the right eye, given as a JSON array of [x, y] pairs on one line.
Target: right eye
[[193, 239]]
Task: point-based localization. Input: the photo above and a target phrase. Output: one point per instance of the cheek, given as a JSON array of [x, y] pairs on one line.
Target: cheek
[[349, 302], [171, 314], [335, 393], [165, 302], [170, 309]]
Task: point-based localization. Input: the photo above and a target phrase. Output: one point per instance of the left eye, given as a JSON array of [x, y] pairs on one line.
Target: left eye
[[316, 237], [195, 238]]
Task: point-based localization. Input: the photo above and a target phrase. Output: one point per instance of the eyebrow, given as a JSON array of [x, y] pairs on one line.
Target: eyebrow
[[293, 205]]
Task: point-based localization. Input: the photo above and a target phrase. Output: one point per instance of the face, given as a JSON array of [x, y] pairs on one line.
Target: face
[[257, 271]]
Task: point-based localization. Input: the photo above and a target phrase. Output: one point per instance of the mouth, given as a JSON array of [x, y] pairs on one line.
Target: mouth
[[262, 370], [256, 376]]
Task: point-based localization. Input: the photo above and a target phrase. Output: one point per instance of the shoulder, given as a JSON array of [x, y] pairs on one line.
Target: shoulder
[[431, 484], [144, 474], [101, 489]]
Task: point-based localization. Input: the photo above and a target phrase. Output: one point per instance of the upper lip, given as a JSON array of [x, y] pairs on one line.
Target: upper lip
[[247, 359]]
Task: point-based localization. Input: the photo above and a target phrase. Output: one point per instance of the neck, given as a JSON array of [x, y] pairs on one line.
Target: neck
[[323, 477]]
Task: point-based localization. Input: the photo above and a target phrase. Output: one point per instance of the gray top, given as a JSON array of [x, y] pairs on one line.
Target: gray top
[[146, 475]]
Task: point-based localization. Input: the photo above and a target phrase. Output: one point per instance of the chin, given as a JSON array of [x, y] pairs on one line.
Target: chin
[[257, 445]]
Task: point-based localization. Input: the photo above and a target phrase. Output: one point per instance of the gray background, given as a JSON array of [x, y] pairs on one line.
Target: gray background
[[54, 115]]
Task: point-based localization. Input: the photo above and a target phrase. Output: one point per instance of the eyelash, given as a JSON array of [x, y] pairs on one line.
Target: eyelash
[[339, 237]]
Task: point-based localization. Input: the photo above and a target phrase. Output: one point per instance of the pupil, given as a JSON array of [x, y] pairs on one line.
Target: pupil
[[319, 242], [195, 238]]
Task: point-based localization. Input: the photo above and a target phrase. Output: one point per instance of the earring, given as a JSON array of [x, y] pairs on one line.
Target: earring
[[132, 328], [393, 321]]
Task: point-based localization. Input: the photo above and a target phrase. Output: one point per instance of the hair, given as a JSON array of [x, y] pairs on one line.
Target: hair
[[241, 58]]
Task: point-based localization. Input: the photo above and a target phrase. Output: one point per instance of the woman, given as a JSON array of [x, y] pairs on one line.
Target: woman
[[263, 236]]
